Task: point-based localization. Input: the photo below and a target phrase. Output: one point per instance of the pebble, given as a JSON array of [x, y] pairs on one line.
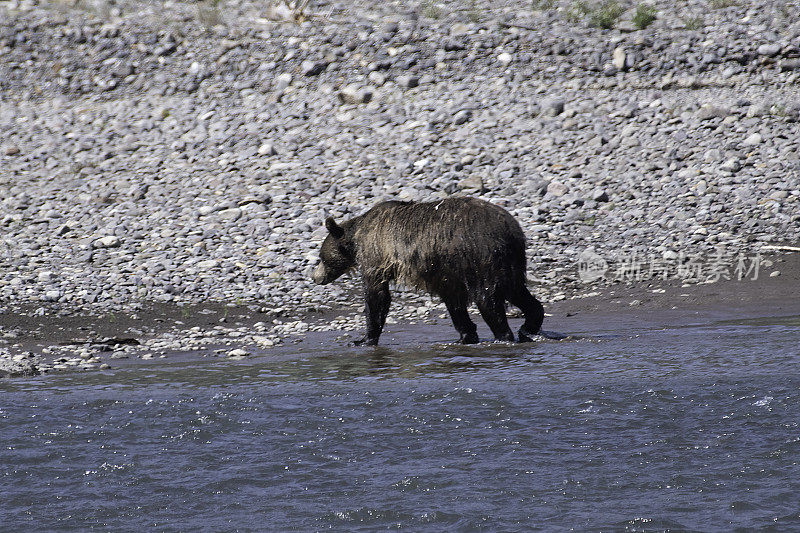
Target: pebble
[[11, 149], [267, 149], [709, 111], [407, 81], [753, 139], [731, 165], [769, 49], [312, 68], [109, 241], [282, 81], [619, 58], [505, 58], [376, 78], [462, 116], [354, 93], [600, 195], [556, 188], [554, 106]]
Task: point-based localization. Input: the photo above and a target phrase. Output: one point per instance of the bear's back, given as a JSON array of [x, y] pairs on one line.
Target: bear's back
[[421, 244]]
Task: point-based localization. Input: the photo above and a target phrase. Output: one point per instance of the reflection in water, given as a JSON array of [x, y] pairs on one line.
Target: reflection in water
[[653, 429]]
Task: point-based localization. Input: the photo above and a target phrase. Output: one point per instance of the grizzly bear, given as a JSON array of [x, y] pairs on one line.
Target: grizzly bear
[[460, 249]]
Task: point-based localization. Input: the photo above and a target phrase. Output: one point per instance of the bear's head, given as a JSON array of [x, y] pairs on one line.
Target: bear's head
[[337, 255]]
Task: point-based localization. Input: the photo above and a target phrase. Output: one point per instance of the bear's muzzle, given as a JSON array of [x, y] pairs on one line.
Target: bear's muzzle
[[320, 276]]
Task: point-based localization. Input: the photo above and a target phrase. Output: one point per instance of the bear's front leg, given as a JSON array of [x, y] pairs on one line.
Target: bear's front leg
[[376, 306]]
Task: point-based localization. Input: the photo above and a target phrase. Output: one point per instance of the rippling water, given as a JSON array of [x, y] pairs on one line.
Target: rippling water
[[686, 428]]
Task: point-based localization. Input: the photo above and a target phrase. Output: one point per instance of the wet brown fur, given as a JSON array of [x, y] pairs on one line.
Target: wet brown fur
[[461, 249], [416, 244]]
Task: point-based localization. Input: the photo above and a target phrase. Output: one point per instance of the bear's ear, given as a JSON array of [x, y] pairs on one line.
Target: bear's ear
[[334, 228]]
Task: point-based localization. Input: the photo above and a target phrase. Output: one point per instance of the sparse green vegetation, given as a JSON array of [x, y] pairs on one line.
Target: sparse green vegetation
[[431, 10], [779, 110], [695, 22], [721, 4], [600, 15], [577, 10], [473, 13], [606, 14], [208, 13], [644, 16], [542, 5]]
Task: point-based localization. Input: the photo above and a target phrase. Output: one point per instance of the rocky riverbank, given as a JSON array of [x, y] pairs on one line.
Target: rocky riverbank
[[187, 153]]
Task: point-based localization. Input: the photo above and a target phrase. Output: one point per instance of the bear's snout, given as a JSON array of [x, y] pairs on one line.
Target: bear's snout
[[320, 276]]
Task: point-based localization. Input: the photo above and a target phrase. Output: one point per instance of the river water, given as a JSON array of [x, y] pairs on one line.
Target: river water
[[635, 428]]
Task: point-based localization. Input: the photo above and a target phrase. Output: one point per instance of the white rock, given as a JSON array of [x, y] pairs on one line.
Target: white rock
[[753, 139], [505, 58], [207, 264], [52, 296], [731, 165], [267, 149], [354, 93], [556, 188], [377, 78], [769, 49], [619, 58], [109, 241]]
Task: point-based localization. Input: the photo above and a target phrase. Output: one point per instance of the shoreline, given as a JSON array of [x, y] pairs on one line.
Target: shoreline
[[69, 341]]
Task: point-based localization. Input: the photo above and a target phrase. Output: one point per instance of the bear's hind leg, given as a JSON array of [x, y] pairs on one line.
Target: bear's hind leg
[[493, 311], [457, 307], [533, 311]]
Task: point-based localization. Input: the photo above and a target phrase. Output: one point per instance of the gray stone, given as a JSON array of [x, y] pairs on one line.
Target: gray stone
[[758, 110], [557, 189], [462, 116], [769, 49], [731, 165], [553, 106], [52, 296], [472, 184], [790, 64], [232, 214], [450, 44], [709, 111]]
